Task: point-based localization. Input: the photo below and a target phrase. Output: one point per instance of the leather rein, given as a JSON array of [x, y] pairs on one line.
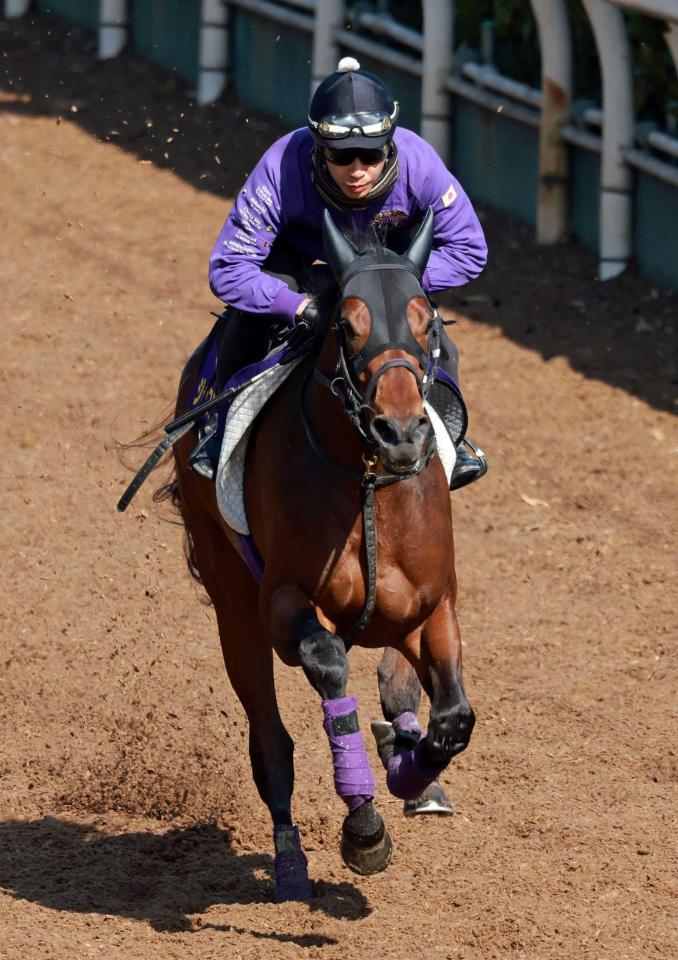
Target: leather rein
[[359, 408]]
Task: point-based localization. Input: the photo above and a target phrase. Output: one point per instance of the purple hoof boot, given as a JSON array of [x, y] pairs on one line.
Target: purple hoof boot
[[291, 867]]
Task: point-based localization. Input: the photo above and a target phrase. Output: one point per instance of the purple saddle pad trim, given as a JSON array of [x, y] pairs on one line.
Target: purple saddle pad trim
[[251, 556]]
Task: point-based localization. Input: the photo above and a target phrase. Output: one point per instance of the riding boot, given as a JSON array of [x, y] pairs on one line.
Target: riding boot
[[205, 458], [470, 465]]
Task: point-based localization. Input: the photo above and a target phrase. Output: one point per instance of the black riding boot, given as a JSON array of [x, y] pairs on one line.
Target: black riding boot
[[471, 463]]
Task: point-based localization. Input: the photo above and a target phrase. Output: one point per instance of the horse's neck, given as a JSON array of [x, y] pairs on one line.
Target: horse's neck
[[339, 438]]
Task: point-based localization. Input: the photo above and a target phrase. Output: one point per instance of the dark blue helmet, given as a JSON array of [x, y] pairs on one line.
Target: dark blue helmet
[[352, 109]]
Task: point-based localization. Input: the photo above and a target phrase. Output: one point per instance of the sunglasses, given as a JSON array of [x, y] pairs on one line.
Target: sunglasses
[[342, 158]]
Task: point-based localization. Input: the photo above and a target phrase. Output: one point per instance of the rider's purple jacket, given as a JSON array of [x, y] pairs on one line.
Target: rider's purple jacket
[[279, 199]]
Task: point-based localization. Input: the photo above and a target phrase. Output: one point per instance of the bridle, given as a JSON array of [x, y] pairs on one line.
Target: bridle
[[359, 406]]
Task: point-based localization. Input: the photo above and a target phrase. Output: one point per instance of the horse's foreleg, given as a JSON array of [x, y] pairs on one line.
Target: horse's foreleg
[[451, 718], [300, 638], [400, 693]]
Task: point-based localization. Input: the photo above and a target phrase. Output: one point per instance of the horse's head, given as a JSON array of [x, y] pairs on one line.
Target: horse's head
[[387, 341]]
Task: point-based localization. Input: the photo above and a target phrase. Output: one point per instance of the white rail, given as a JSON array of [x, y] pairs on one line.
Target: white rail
[[487, 76], [489, 101], [401, 61], [276, 13], [386, 26]]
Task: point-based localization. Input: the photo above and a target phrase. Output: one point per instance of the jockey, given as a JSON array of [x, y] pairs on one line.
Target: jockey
[[354, 160]]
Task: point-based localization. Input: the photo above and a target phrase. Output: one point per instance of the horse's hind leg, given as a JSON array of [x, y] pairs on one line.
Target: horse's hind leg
[[249, 663], [301, 639], [400, 693]]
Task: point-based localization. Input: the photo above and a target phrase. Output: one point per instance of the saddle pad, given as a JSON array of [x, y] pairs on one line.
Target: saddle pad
[[230, 481], [243, 411]]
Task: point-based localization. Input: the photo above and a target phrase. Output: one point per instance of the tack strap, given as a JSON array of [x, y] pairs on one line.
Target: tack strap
[[151, 464]]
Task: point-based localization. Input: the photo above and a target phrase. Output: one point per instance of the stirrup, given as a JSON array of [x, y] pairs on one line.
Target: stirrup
[[205, 458], [468, 468]]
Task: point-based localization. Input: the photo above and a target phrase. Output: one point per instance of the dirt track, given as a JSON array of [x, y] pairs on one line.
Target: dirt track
[[129, 824]]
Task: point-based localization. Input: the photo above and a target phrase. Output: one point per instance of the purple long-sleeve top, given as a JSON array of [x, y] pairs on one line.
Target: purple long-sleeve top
[[280, 200]]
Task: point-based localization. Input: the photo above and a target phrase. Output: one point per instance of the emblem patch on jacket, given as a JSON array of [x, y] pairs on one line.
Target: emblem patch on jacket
[[388, 219], [449, 197]]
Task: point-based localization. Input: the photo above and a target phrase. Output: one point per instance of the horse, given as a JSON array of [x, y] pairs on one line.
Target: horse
[[341, 469]]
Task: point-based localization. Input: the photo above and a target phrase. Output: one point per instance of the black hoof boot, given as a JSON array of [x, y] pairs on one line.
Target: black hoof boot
[[470, 465], [366, 845]]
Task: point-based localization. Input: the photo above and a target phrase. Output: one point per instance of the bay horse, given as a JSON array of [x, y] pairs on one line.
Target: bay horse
[[346, 432]]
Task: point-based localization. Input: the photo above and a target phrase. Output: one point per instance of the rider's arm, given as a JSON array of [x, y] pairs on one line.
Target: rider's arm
[[245, 242], [459, 249]]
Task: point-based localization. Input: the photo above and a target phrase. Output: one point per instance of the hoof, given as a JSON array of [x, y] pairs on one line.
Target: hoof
[[432, 800], [290, 867], [366, 855]]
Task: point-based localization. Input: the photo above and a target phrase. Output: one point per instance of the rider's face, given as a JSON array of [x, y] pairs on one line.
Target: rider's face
[[357, 179]]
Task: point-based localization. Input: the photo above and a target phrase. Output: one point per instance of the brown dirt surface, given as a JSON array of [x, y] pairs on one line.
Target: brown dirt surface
[[129, 823]]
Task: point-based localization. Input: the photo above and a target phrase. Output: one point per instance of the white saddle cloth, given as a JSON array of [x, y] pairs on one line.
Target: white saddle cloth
[[244, 409]]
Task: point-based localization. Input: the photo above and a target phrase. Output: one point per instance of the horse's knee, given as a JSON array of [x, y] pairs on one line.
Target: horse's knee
[[449, 730], [324, 661]]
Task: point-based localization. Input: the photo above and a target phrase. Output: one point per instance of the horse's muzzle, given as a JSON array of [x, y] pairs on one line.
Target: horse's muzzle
[[403, 442]]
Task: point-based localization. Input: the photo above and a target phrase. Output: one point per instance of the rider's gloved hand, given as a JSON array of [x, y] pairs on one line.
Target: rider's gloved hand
[[307, 324]]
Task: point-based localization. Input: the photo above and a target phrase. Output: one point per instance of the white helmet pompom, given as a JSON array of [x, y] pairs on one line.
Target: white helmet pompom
[[346, 64]]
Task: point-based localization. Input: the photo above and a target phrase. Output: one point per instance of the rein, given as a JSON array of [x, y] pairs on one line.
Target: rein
[[358, 407]]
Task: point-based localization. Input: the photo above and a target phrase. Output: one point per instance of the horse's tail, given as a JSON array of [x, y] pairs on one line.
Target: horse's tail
[[170, 490]]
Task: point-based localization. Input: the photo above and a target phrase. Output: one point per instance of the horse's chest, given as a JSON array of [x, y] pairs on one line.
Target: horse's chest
[[412, 574]]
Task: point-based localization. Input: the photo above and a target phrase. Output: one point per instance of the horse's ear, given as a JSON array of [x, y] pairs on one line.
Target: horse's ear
[[340, 253], [420, 248]]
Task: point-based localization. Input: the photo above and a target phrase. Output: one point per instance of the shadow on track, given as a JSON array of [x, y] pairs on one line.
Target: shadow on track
[[159, 879], [547, 299]]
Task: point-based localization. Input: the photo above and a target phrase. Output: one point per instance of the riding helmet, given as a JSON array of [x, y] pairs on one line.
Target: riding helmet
[[352, 109]]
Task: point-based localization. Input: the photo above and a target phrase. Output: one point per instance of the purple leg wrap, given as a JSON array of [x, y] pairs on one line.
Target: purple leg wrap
[[409, 773], [353, 777], [291, 866]]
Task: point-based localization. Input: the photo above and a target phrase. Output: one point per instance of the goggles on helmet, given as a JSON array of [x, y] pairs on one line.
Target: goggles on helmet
[[367, 124]]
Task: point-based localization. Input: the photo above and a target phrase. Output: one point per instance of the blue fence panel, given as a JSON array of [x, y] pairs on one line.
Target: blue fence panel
[[585, 195], [271, 67], [83, 12], [656, 216], [496, 159], [167, 32]]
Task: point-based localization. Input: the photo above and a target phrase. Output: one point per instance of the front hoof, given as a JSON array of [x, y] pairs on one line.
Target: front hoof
[[431, 801], [366, 859]]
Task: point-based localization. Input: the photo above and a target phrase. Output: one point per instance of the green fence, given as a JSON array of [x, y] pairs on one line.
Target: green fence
[[496, 159], [167, 32], [83, 12], [656, 216], [584, 191], [271, 66]]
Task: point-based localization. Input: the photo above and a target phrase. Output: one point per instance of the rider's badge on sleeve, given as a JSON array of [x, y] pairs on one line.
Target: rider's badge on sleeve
[[449, 197]]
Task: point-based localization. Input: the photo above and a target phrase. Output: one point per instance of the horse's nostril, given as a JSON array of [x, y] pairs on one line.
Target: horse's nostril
[[386, 431], [418, 428]]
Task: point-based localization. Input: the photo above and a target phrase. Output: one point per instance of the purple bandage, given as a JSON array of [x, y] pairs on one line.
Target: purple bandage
[[407, 725], [409, 773], [353, 777]]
